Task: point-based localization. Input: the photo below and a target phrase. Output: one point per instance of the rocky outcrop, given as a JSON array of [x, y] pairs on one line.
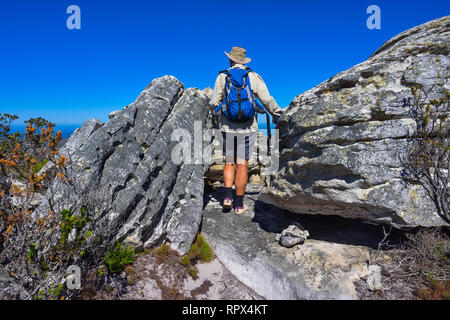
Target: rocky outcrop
[[123, 173], [342, 142], [325, 266], [125, 180]]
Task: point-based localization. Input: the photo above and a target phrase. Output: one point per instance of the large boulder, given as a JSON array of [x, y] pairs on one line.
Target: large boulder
[[123, 172], [342, 142]]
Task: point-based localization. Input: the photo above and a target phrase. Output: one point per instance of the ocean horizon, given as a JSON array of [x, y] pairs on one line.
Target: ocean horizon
[[68, 129]]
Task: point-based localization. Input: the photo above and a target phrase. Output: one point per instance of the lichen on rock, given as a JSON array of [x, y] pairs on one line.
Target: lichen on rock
[[342, 142]]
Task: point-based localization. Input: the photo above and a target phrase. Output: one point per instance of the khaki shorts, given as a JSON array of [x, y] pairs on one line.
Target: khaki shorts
[[238, 147]]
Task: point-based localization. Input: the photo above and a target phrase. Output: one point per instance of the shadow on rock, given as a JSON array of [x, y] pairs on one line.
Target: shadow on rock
[[324, 227]]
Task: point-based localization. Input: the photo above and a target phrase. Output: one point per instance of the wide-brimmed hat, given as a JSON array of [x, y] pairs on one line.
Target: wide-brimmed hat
[[237, 55]]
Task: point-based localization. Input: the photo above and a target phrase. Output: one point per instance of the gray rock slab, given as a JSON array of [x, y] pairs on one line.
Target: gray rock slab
[[324, 267]]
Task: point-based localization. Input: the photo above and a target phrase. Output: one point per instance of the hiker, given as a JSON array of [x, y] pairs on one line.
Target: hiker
[[234, 99]]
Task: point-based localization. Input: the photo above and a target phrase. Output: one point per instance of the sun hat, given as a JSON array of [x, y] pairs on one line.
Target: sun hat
[[237, 55]]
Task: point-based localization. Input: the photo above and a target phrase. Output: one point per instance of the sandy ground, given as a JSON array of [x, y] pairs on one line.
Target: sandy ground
[[152, 279]]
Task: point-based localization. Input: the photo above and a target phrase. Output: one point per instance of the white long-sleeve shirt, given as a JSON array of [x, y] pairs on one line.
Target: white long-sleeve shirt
[[259, 89]]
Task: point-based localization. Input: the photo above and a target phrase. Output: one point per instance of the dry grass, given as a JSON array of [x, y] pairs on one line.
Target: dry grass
[[202, 289], [420, 268], [438, 290], [425, 256]]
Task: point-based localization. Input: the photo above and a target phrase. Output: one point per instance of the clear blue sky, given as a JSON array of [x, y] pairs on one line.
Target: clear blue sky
[[68, 76]]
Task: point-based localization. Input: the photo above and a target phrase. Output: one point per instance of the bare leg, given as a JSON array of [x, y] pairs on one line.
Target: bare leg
[[241, 178], [228, 175]]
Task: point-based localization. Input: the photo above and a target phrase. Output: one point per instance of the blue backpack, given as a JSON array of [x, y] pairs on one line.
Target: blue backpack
[[239, 103]]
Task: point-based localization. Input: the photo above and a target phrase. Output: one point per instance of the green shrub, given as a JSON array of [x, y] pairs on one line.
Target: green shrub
[[206, 254], [57, 290], [38, 166], [185, 261], [194, 252], [192, 272], [31, 256], [200, 250], [44, 266], [118, 257], [162, 252], [70, 221]]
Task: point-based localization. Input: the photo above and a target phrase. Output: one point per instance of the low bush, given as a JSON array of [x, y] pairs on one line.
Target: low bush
[[200, 250], [119, 257], [421, 266], [162, 253], [192, 272]]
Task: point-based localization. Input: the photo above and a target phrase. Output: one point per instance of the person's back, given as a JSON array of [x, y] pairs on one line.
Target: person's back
[[239, 136]]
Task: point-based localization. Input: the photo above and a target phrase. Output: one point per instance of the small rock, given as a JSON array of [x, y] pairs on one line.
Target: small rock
[[72, 235], [292, 235], [374, 278], [255, 178]]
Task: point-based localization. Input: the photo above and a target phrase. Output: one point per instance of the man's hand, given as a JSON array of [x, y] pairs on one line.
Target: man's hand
[[276, 119]]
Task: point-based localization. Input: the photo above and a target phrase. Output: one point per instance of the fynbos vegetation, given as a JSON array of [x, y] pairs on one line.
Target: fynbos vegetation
[[427, 159], [119, 257]]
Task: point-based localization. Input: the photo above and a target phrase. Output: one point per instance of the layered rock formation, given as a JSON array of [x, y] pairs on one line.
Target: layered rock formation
[[122, 171], [342, 141]]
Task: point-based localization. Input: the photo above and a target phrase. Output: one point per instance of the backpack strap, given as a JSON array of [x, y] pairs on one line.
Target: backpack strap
[[220, 108], [228, 84], [259, 108], [269, 134]]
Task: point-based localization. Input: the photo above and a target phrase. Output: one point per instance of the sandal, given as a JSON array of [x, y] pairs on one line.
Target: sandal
[[240, 210], [227, 203]]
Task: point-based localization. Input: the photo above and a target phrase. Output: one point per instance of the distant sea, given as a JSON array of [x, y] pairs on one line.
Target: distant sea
[[263, 128], [66, 129]]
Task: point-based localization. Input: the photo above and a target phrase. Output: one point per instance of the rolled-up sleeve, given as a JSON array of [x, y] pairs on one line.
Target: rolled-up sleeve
[[219, 91], [259, 88]]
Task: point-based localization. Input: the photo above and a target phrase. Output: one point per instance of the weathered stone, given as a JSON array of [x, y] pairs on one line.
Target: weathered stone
[[342, 142], [122, 171], [113, 114], [72, 145], [374, 278], [292, 235]]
